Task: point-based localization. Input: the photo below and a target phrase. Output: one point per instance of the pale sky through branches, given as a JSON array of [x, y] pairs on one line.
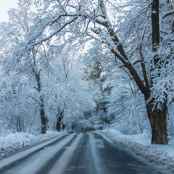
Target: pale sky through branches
[[5, 5]]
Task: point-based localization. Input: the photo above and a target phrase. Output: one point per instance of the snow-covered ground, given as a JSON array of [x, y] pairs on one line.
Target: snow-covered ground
[[13, 142], [160, 155]]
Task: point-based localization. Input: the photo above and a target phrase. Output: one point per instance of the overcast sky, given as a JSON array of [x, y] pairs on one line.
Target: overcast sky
[[5, 5]]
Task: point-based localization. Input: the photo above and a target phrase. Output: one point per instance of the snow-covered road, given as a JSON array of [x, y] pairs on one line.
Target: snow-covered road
[[88, 153]]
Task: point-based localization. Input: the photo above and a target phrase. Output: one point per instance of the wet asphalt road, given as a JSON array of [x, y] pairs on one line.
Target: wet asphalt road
[[86, 153], [101, 157]]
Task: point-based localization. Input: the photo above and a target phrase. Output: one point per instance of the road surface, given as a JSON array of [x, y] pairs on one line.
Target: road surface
[[79, 154]]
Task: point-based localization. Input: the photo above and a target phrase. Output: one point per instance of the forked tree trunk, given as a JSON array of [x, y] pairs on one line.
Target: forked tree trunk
[[157, 117], [158, 122]]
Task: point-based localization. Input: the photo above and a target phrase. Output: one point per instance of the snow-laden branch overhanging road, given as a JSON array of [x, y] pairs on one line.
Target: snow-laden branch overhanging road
[[88, 153]]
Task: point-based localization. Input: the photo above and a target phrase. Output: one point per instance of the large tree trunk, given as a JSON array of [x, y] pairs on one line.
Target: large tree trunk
[[157, 116], [43, 117], [158, 122], [37, 74]]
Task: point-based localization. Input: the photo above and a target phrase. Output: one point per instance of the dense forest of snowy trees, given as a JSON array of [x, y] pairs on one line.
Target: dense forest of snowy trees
[[88, 64]]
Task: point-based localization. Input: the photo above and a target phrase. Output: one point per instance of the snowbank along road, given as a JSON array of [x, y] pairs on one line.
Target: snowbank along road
[[88, 153]]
